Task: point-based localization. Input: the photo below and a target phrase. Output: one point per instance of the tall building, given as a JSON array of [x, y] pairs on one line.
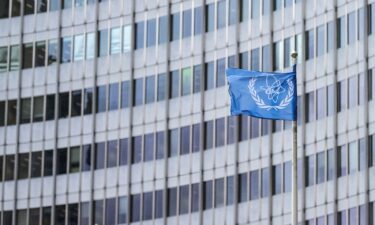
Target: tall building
[[117, 112]]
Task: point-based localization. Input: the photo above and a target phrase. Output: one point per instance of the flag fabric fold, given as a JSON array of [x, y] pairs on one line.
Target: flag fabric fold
[[262, 94]]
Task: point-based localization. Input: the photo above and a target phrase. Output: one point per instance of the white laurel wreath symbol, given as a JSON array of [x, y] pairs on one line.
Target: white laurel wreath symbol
[[283, 104]]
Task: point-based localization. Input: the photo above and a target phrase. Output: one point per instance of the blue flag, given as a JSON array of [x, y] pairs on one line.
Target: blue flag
[[263, 95]]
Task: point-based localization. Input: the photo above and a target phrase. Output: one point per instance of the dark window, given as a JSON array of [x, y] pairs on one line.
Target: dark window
[[48, 162], [63, 105], [137, 149], [3, 56], [150, 89], [85, 213], [147, 206], [175, 83], [184, 199], [196, 138], [8, 217], [86, 157], [138, 95], [99, 155], [207, 203], [351, 28], [198, 15], [208, 129], [163, 29], [60, 215], [88, 94], [98, 212], [122, 210], [195, 197], [277, 4], [242, 184], [221, 17], [125, 93], [353, 92], [341, 33], [320, 40], [103, 43], [158, 204], [287, 176], [61, 161], [172, 201], [66, 48], [186, 27], [320, 170], [255, 58], [210, 16], [40, 53], [1, 167], [341, 218], [124, 153], [161, 95], [12, 112], [4, 9], [220, 132], [76, 103], [21, 216], [34, 216], [186, 81], [27, 55], [14, 57], [341, 95], [175, 26], [113, 96], [149, 147], [173, 142], [46, 215], [320, 103], [112, 153], [23, 166], [38, 109], [219, 192], [73, 214], [110, 211], [160, 145], [309, 44], [310, 112], [52, 51], [220, 81], [265, 182], [151, 32], [139, 35], [101, 100], [36, 164], [276, 178], [342, 156], [230, 190], [244, 60], [185, 140], [210, 76], [25, 110]]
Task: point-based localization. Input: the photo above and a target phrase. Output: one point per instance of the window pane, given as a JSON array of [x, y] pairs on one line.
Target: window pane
[[362, 90], [173, 142], [210, 15], [66, 46], [139, 35], [112, 153], [61, 161], [158, 204], [195, 197], [341, 95], [21, 217], [123, 151], [330, 100], [151, 32], [184, 199], [76, 103], [125, 94], [138, 96], [101, 100], [244, 60], [351, 28], [34, 216], [160, 145], [27, 55], [63, 105], [66, 4], [320, 103], [310, 114], [73, 214], [137, 149], [219, 192], [242, 184], [310, 179], [87, 104], [149, 147], [150, 89], [116, 40], [266, 58], [23, 166], [266, 7], [36, 164], [2, 114], [277, 55], [38, 109], [12, 112], [330, 164], [110, 211], [86, 157], [122, 210], [126, 38], [113, 96], [208, 127], [341, 32], [186, 27], [163, 29], [9, 167], [221, 17], [209, 76], [207, 203], [233, 11], [175, 84], [372, 18], [265, 182], [161, 87], [14, 57], [330, 36], [175, 26], [353, 91], [320, 40], [288, 48], [74, 156], [3, 57], [185, 140], [48, 162], [198, 15], [276, 179], [186, 81], [230, 190], [196, 138], [255, 59], [172, 201], [103, 43], [342, 160], [353, 157], [362, 154], [25, 110], [54, 5], [320, 163], [254, 127], [52, 51], [85, 213], [220, 73], [244, 128], [99, 155], [40, 53], [98, 212], [309, 44], [220, 132], [231, 129], [4, 9], [287, 176], [90, 45], [255, 9], [8, 217], [147, 206], [79, 47]]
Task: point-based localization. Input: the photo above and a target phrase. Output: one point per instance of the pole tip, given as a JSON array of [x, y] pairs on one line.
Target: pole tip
[[294, 54]]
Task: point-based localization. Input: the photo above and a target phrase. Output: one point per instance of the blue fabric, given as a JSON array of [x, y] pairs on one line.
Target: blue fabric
[[263, 95]]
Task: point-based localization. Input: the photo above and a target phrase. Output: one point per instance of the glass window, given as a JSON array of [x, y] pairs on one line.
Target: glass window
[[161, 87], [184, 199], [147, 206], [27, 55], [29, 7], [320, 170], [98, 212], [113, 96], [137, 149], [231, 129], [255, 57], [288, 48], [242, 184], [233, 10], [61, 161], [186, 81], [342, 160], [74, 156], [288, 176], [330, 35], [230, 190], [8, 217], [79, 3], [175, 84], [341, 218], [353, 157], [163, 29], [195, 197], [310, 114], [3, 57], [101, 100], [362, 154], [220, 132], [90, 45], [207, 187], [158, 209], [21, 217], [86, 158], [79, 47], [112, 153], [4, 9], [66, 4], [351, 28], [363, 214], [149, 147], [172, 201], [265, 126], [244, 128], [196, 138], [277, 56], [330, 164], [52, 51], [124, 151], [320, 103], [255, 9], [38, 109], [254, 127], [371, 21], [219, 192], [23, 166], [125, 94], [126, 39], [341, 33], [175, 26], [353, 92], [138, 96], [151, 32], [2, 114], [9, 167], [266, 7], [210, 17], [185, 140], [25, 110], [220, 72], [265, 182], [122, 210], [320, 40], [110, 211], [116, 40], [85, 213], [362, 90], [208, 127], [99, 155], [139, 35], [76, 103], [103, 43], [221, 17], [198, 15], [48, 163], [40, 53], [309, 173], [244, 60], [73, 214], [186, 26], [160, 145], [309, 44], [173, 142], [209, 76], [34, 216], [54, 5], [12, 112], [341, 95], [63, 105], [36, 164], [266, 57], [87, 101], [14, 57], [277, 4], [150, 89], [352, 216], [276, 178], [66, 46], [330, 100]]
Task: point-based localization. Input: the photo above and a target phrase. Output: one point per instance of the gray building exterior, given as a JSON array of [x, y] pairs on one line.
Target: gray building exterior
[[117, 112]]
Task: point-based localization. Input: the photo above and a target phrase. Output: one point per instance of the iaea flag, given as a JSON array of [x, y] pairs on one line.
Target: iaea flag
[[263, 95]]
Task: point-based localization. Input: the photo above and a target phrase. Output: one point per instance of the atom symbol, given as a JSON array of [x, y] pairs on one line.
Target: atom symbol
[[274, 90]]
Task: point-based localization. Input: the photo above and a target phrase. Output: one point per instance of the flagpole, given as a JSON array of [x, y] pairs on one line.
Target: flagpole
[[294, 160]]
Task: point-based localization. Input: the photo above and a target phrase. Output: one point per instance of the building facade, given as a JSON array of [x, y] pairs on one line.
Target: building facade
[[117, 112]]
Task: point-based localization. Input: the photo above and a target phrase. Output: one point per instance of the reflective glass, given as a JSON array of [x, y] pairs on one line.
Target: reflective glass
[[175, 27], [48, 163], [341, 218], [320, 40], [309, 173], [277, 4], [244, 128], [112, 153], [320, 170], [353, 157], [74, 159], [9, 167], [16, 8], [254, 184], [220, 132], [52, 51], [219, 192], [86, 157], [186, 26], [371, 18], [138, 96], [254, 127], [99, 155], [79, 3], [255, 9], [172, 201], [101, 100], [63, 105], [46, 215], [184, 199], [113, 96], [265, 182], [351, 28], [110, 211], [233, 11], [122, 210], [342, 160], [255, 59], [34, 216], [14, 57], [76, 102], [73, 214], [198, 15], [330, 100], [79, 47], [125, 94], [196, 138], [139, 35], [61, 161], [163, 29], [231, 129], [158, 204], [186, 81], [87, 101], [175, 83], [266, 7], [161, 87], [362, 90], [208, 129], [151, 32], [4, 9], [207, 191], [85, 213], [220, 81], [150, 89], [230, 190], [66, 46], [147, 206], [38, 109], [27, 55], [330, 36], [353, 216], [210, 76], [3, 57], [287, 176], [124, 153], [210, 16], [277, 56], [54, 5], [173, 142], [23, 165], [341, 33], [320, 103], [244, 60], [195, 197], [242, 184], [288, 48], [40, 53], [90, 45], [353, 91], [149, 147], [185, 140], [126, 38], [137, 149], [276, 179], [98, 212], [362, 154], [221, 14], [330, 164], [160, 145], [341, 95], [116, 40], [103, 43], [12, 112], [36, 164], [21, 217], [66, 4], [25, 110], [309, 44]]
